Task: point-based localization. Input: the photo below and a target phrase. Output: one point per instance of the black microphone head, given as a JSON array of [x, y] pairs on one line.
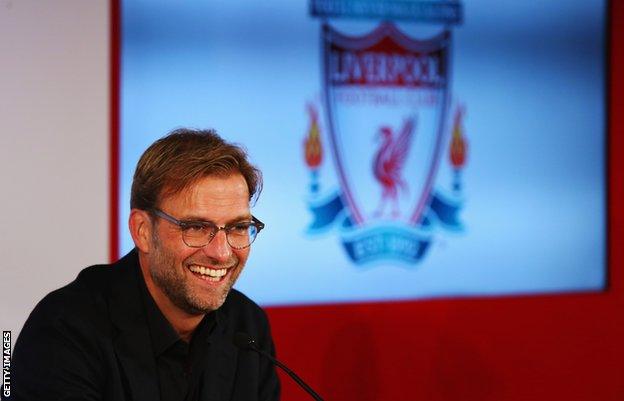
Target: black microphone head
[[244, 340]]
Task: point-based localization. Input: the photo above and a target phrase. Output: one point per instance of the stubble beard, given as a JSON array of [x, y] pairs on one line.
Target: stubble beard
[[172, 280]]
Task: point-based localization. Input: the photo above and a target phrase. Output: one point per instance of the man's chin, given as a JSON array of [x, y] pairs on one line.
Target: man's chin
[[196, 305]]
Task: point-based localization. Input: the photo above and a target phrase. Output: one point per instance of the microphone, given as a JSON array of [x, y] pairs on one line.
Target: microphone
[[245, 341]]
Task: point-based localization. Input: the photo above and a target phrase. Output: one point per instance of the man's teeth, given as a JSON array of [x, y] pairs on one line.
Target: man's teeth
[[211, 274]]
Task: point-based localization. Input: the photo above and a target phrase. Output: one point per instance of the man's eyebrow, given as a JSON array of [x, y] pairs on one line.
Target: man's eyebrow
[[200, 219]]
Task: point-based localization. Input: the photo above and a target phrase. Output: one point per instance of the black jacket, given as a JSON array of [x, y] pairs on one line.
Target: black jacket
[[89, 341]]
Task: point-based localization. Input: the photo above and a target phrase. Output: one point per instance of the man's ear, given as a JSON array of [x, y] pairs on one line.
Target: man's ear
[[141, 227]]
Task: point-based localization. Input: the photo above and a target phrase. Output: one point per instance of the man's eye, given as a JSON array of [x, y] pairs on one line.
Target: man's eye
[[240, 228], [195, 228]]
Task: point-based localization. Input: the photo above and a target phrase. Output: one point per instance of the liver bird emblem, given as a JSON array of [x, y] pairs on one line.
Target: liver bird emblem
[[388, 165]]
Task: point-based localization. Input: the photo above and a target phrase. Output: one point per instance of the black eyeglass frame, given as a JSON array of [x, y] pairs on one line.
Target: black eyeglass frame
[[186, 224]]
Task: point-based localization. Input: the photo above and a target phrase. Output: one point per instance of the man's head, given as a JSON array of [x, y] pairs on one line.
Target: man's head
[[185, 185]]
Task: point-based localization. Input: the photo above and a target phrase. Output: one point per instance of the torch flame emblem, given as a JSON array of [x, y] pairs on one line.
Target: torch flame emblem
[[312, 144], [313, 148], [457, 151], [458, 147]]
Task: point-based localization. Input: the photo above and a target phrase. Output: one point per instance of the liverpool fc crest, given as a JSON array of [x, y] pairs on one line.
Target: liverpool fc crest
[[385, 98]]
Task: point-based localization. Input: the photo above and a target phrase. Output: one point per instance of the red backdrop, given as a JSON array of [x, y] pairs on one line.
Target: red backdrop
[[564, 347]]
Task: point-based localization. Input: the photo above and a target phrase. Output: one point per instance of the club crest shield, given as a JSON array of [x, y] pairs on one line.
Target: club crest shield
[[385, 97], [386, 100]]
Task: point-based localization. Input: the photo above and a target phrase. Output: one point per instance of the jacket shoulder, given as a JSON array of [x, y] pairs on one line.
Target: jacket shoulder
[[62, 345], [77, 302], [89, 293]]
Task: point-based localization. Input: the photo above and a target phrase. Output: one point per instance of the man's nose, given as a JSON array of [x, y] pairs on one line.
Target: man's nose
[[219, 248]]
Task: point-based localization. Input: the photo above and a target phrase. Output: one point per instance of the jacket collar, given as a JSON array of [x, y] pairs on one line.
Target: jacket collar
[[132, 344]]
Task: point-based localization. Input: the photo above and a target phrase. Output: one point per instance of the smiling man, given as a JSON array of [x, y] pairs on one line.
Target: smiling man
[[159, 323]]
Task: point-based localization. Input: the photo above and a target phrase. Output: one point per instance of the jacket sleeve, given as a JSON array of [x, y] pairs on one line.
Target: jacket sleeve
[[55, 358]]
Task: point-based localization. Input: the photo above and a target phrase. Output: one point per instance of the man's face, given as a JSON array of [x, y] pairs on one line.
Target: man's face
[[222, 201]]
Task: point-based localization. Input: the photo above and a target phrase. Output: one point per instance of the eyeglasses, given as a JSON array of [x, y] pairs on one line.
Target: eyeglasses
[[197, 234]]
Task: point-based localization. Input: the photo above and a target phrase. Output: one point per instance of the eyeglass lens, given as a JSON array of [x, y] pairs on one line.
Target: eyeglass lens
[[238, 236]]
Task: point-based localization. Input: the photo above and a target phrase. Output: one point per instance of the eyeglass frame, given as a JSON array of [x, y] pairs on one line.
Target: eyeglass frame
[[184, 224]]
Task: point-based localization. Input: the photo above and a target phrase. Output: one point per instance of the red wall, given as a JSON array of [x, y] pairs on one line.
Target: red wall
[[566, 347]]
